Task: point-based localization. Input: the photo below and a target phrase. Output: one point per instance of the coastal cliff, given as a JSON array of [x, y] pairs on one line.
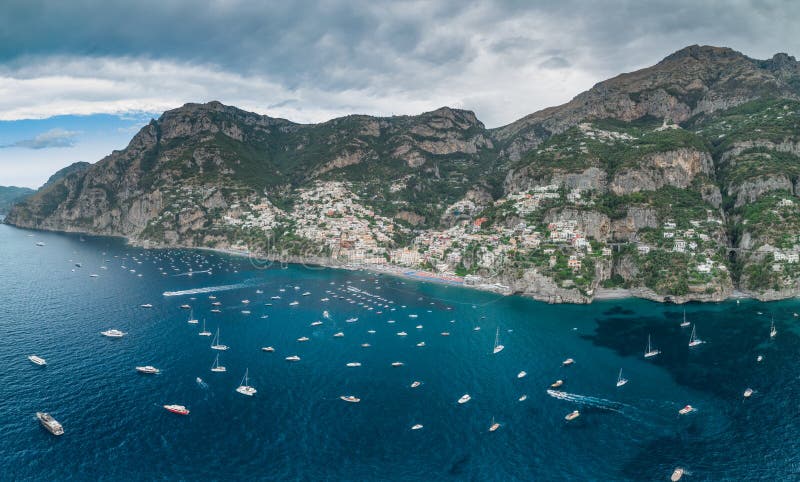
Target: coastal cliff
[[676, 183]]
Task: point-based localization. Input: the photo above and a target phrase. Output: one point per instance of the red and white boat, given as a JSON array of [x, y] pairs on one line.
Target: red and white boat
[[179, 409], [686, 409]]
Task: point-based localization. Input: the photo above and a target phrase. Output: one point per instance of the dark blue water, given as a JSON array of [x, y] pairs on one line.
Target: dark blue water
[[297, 428]]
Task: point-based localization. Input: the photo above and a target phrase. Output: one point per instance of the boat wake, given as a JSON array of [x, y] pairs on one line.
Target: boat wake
[[211, 289], [589, 401]]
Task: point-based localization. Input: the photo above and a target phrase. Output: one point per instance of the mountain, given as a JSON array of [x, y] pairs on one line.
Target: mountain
[[66, 171], [10, 195], [676, 182]]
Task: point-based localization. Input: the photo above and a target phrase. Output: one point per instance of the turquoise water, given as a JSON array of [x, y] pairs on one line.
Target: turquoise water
[[297, 428]]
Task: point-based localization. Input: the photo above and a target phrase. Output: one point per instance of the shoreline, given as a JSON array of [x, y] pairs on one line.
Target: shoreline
[[600, 294]]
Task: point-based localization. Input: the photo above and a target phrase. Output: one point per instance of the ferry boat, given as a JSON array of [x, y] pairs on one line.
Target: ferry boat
[[686, 409], [148, 369], [464, 398], [244, 388], [37, 360], [179, 409], [572, 415], [113, 333], [350, 398], [49, 423]]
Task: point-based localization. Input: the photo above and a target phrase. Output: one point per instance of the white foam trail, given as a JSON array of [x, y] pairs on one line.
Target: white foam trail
[[190, 273], [587, 400], [208, 289]]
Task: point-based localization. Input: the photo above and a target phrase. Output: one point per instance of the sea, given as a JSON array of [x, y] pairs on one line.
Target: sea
[[296, 427]]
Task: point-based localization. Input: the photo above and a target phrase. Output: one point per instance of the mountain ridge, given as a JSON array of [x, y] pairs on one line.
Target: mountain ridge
[[660, 164]]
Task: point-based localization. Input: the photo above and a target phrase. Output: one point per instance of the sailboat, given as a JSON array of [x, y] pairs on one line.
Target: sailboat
[[684, 323], [216, 367], [650, 351], [497, 346], [621, 381], [693, 340], [192, 320], [494, 426], [772, 330], [244, 388], [204, 332], [215, 345]]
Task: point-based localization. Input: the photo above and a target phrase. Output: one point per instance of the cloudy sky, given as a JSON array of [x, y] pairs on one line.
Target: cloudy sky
[[78, 77]]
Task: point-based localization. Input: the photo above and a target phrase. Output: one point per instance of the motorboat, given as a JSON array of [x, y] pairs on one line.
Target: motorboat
[[572, 415], [557, 383], [37, 360], [522, 374], [179, 409], [415, 384], [748, 393], [464, 399], [293, 358], [350, 398], [302, 339], [148, 370], [49, 423], [416, 426], [113, 333], [677, 473], [397, 364], [338, 335], [568, 362], [686, 409], [522, 398], [268, 349]]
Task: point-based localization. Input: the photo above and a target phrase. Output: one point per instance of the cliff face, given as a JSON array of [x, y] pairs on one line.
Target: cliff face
[[676, 182]]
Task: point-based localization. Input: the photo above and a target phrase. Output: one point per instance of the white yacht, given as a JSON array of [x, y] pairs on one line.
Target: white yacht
[[497, 346], [464, 399], [621, 381], [350, 398], [204, 332], [216, 345], [494, 426], [268, 349], [113, 333], [650, 351], [693, 340], [192, 320], [50, 423], [416, 426], [37, 360], [293, 358], [244, 388], [148, 370], [216, 367], [684, 323]]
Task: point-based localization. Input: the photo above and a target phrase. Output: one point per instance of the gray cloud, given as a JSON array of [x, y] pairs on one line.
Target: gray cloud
[[503, 59], [52, 138]]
